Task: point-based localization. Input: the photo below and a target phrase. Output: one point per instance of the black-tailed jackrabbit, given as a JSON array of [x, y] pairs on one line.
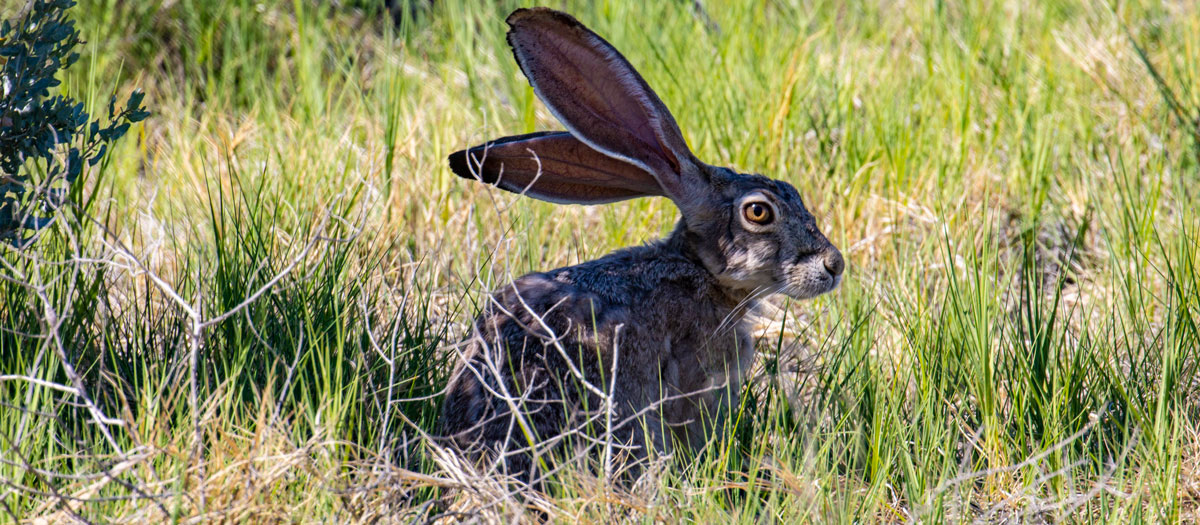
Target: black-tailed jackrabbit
[[646, 345]]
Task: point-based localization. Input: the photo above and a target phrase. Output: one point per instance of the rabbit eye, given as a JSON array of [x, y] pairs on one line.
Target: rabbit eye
[[758, 213]]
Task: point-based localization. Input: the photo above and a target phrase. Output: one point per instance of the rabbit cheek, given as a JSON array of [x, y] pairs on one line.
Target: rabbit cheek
[[748, 268]]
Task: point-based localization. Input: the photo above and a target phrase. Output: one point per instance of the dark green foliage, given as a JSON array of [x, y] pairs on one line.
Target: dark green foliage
[[46, 139]]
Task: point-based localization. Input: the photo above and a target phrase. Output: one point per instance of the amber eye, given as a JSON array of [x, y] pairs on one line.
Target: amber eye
[[758, 213]]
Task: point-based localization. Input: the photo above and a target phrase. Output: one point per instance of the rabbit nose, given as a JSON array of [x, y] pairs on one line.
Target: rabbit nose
[[833, 262]]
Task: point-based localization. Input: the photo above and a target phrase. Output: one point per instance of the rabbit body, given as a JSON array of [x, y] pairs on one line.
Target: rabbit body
[[680, 348]]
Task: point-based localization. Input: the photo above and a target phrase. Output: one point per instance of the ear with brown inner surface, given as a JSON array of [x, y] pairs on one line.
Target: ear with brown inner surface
[[599, 96], [553, 166]]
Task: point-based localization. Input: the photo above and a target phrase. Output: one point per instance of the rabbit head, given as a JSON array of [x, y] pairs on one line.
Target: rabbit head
[[751, 232]]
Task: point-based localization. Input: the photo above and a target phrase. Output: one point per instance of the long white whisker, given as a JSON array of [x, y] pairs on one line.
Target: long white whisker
[[753, 296]]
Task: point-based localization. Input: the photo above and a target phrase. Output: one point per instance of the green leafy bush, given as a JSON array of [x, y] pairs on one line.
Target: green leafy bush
[[45, 140]]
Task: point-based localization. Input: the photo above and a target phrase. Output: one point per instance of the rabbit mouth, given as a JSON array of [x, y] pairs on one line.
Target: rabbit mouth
[[809, 291], [801, 281], [805, 281]]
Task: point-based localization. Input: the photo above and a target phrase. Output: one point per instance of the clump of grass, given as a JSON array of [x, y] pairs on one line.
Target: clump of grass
[[261, 303]]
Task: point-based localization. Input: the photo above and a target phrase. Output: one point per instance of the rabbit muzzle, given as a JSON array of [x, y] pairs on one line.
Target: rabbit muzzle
[[813, 275]]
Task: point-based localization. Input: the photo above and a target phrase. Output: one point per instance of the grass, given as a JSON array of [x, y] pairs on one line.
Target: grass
[[262, 292]]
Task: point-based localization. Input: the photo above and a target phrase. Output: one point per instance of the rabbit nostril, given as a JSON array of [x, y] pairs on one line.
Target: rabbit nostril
[[834, 263]]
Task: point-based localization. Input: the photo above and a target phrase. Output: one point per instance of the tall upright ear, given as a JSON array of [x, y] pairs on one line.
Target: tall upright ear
[[602, 99], [555, 167]]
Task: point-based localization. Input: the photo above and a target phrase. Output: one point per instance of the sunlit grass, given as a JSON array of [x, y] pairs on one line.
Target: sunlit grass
[[1016, 335]]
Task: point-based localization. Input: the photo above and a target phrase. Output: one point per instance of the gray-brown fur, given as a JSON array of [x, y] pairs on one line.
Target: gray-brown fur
[[671, 312]]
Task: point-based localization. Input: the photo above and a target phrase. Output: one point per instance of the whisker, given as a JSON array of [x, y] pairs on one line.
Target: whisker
[[753, 296]]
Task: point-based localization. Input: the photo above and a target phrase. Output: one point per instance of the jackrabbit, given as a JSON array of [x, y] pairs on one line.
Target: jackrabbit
[[646, 346]]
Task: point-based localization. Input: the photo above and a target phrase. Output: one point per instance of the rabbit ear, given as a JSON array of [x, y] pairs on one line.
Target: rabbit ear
[[602, 99], [555, 167]]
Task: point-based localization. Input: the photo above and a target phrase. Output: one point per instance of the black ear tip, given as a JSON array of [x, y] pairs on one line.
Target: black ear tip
[[516, 15], [534, 13], [468, 164], [458, 164]]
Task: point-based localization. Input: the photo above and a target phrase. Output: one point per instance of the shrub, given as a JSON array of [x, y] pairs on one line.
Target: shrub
[[45, 140]]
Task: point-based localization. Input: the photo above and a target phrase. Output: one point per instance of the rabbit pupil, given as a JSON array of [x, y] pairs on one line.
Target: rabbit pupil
[[758, 213]]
